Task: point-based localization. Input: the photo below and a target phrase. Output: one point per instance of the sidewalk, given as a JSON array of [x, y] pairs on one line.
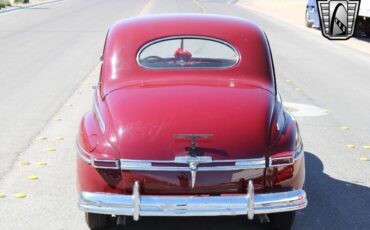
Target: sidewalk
[[32, 3], [293, 13]]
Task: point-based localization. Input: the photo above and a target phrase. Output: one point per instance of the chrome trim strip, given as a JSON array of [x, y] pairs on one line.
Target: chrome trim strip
[[213, 161], [98, 113], [281, 118], [193, 136], [187, 37], [79, 149], [299, 153], [251, 163], [147, 165], [189, 159], [144, 205]]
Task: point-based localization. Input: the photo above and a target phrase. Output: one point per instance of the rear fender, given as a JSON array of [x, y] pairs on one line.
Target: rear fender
[[287, 177], [91, 146]]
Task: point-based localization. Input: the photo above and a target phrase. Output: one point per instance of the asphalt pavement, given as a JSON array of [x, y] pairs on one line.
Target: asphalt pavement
[[49, 59], [46, 51]]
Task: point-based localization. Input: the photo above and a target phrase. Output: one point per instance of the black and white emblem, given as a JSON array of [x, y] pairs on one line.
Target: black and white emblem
[[338, 18]]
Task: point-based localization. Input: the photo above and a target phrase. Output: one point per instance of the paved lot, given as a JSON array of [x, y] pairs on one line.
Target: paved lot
[[49, 60], [46, 52]]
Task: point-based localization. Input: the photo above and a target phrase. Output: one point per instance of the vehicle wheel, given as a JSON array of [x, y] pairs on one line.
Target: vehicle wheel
[[282, 221], [97, 221], [308, 24]]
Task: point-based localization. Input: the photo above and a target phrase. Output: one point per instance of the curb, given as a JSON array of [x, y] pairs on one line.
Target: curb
[[15, 8]]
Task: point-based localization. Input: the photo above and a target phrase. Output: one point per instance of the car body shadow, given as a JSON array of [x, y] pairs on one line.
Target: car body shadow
[[194, 223], [364, 38], [333, 204]]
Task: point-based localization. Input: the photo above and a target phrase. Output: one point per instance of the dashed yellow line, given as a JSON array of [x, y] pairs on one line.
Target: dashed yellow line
[[325, 111], [200, 6], [41, 138], [42, 163], [51, 149], [146, 7], [87, 82], [24, 163], [20, 195], [33, 177], [351, 146]]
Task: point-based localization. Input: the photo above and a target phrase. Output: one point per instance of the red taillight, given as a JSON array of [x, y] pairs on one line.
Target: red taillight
[[106, 164], [282, 159], [89, 157]]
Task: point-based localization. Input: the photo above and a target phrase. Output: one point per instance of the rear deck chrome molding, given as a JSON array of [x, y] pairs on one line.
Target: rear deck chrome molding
[[137, 205], [182, 163]]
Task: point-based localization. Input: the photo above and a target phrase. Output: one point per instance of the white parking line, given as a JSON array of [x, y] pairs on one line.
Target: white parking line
[[303, 110]]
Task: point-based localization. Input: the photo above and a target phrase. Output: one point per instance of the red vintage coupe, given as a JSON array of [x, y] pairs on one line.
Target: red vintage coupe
[[187, 121]]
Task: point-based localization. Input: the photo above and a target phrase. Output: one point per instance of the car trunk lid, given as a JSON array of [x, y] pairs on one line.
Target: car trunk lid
[[149, 123]]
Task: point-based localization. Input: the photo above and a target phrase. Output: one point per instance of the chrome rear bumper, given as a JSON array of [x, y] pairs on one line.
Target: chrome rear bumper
[[145, 205]]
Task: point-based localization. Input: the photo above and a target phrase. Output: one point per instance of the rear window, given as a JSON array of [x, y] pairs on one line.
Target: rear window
[[187, 52]]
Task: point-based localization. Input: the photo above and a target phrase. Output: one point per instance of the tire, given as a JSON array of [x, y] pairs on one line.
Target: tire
[[308, 24], [97, 221], [282, 221]]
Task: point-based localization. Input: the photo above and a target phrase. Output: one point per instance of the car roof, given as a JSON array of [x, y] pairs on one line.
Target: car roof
[[126, 37]]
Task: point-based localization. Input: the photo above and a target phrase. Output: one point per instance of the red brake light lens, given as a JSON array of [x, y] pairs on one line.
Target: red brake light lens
[[103, 157], [106, 164], [282, 159]]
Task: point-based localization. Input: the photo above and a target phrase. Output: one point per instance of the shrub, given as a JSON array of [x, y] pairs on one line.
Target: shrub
[[21, 1], [4, 3]]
